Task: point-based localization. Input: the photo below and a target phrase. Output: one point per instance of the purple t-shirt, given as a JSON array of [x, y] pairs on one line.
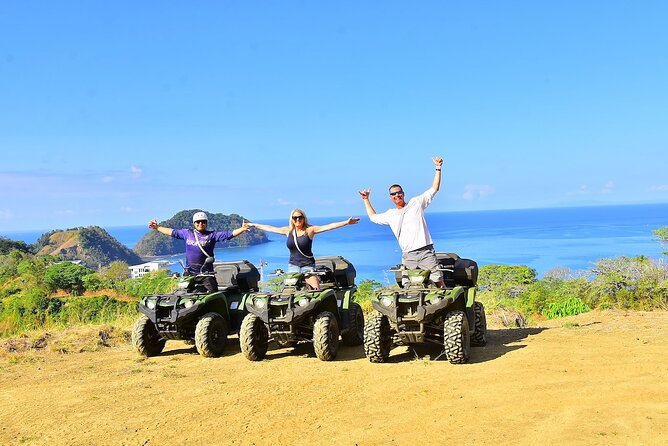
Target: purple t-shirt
[[207, 240]]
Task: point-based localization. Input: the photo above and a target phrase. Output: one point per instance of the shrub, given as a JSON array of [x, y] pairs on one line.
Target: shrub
[[637, 283], [26, 310], [569, 307], [95, 282], [154, 282], [505, 281], [95, 310], [66, 276]]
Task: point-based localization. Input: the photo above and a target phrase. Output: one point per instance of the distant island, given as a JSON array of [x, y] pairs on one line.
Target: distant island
[[91, 245], [155, 244]]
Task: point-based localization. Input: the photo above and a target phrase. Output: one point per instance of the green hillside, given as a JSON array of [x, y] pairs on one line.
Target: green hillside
[[92, 245]]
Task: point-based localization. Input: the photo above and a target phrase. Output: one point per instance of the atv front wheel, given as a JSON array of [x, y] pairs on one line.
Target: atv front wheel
[[326, 336], [457, 340], [146, 339], [354, 334], [377, 337], [211, 335], [479, 337], [253, 338]]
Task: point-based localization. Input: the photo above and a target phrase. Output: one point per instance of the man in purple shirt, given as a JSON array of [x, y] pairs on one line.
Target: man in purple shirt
[[199, 244]]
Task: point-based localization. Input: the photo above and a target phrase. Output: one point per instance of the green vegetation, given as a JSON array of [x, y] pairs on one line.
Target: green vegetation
[[6, 246], [41, 291], [634, 283], [366, 289], [155, 244], [662, 236]]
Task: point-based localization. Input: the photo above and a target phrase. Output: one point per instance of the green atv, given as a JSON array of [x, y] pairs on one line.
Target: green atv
[[195, 315], [420, 312], [296, 314]]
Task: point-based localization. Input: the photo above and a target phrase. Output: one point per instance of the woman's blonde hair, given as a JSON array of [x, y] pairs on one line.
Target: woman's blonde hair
[[291, 222]]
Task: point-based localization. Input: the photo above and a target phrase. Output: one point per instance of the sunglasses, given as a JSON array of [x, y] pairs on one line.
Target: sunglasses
[[399, 192], [297, 217], [201, 222]]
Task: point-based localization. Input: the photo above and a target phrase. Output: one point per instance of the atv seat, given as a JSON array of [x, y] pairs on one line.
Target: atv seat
[[343, 271], [241, 275]]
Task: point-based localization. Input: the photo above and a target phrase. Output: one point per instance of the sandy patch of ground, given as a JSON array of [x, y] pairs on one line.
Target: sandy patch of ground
[[598, 378]]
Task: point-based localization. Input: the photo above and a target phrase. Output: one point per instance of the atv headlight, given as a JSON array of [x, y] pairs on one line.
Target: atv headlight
[[259, 303], [435, 299], [291, 281], [304, 302], [386, 301], [150, 305], [189, 303]]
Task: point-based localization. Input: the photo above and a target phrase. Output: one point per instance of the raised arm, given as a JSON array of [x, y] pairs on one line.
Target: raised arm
[[244, 227], [269, 228], [335, 225], [367, 204], [153, 224], [438, 163]]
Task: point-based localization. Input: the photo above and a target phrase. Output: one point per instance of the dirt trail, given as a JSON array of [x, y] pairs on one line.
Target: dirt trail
[[598, 378]]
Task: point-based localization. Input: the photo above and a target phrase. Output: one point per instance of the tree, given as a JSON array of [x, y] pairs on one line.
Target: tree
[[117, 271], [508, 279], [7, 246], [662, 235], [66, 276]]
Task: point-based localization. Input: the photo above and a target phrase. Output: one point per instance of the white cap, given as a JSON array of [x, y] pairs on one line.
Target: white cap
[[200, 216]]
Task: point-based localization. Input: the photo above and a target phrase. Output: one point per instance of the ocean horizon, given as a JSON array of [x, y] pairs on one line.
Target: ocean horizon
[[574, 238]]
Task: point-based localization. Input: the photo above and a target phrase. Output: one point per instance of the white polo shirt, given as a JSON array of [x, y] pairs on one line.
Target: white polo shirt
[[414, 231]]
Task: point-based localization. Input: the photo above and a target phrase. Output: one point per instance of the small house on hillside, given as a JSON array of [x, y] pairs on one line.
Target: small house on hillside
[[137, 271]]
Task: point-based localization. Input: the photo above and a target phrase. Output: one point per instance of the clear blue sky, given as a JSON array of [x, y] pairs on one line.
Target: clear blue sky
[[113, 113]]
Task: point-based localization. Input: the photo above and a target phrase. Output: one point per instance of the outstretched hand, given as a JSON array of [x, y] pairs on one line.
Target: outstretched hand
[[353, 220], [365, 193], [153, 224], [438, 162]]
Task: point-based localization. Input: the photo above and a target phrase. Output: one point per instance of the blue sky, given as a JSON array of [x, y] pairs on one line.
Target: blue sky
[[113, 113]]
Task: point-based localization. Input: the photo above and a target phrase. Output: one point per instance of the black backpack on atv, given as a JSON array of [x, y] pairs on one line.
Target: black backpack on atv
[[297, 314], [420, 312], [194, 314]]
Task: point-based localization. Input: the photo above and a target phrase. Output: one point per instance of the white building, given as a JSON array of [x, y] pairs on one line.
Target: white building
[[137, 271]]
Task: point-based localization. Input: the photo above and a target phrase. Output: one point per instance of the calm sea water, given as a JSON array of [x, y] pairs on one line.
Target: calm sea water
[[573, 238]]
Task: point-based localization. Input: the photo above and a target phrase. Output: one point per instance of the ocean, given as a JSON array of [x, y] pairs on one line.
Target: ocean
[[542, 239]]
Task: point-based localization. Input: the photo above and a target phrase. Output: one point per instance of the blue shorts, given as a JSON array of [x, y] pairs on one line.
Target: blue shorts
[[300, 269]]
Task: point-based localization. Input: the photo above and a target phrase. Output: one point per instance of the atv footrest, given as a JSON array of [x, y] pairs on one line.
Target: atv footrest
[[410, 337]]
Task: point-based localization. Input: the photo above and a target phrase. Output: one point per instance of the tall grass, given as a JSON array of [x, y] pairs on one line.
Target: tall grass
[[34, 310]]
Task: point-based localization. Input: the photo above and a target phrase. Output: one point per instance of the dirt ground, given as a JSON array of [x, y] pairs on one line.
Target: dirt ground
[[598, 378]]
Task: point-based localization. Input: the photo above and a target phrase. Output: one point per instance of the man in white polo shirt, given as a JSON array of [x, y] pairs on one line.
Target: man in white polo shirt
[[409, 225]]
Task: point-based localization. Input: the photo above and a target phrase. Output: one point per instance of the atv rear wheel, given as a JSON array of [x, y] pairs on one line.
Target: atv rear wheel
[[211, 335], [354, 334], [479, 336], [253, 338], [146, 339], [326, 336], [457, 340], [377, 337]]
